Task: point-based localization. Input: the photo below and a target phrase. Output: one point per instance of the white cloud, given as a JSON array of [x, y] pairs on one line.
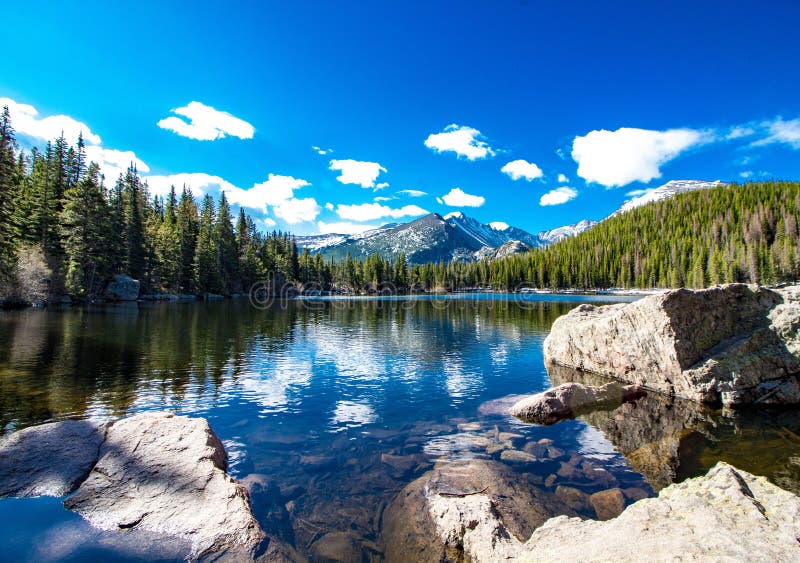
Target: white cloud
[[412, 193], [275, 191], [382, 185], [321, 151], [267, 222], [206, 123], [740, 131], [562, 179], [25, 119], [457, 198], [329, 206], [746, 174], [637, 193], [462, 140], [296, 210], [558, 196], [370, 211], [499, 225], [343, 228], [617, 158], [382, 198], [522, 169], [114, 163], [357, 172], [199, 182], [439, 201], [781, 131]]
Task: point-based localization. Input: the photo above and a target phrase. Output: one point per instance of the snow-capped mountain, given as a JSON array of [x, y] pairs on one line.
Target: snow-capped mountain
[[669, 189], [433, 237], [555, 235], [458, 237]]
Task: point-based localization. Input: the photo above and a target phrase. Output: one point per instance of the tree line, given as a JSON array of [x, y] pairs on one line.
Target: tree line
[[736, 233], [65, 231]]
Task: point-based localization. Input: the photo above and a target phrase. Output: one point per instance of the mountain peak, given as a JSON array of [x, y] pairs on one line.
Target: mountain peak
[[455, 215]]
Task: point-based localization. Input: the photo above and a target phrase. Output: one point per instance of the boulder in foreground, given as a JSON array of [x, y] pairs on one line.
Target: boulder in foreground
[[49, 459], [571, 399], [166, 474], [727, 514], [735, 344]]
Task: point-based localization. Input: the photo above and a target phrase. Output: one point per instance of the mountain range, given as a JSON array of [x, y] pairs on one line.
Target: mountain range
[[455, 236]]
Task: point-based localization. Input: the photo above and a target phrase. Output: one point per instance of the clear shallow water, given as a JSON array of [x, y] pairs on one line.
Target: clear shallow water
[[335, 405]]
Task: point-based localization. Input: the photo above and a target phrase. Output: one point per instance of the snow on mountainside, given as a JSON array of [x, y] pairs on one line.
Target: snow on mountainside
[[433, 237], [458, 237], [667, 190], [555, 235]]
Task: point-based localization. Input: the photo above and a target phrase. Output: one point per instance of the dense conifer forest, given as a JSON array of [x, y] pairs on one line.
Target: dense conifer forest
[[66, 230]]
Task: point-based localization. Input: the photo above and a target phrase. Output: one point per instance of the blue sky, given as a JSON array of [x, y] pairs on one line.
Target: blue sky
[[581, 102]]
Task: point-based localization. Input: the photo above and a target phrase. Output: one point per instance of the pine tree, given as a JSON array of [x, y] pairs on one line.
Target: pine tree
[[227, 249], [133, 198], [206, 275], [9, 182], [83, 225], [187, 226]]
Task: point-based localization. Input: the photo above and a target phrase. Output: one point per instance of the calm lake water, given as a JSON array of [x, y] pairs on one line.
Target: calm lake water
[[338, 404]]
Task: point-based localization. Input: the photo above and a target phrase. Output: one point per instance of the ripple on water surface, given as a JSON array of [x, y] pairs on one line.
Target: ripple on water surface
[[332, 408]]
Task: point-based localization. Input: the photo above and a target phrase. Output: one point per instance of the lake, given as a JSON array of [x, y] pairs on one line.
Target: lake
[[338, 404]]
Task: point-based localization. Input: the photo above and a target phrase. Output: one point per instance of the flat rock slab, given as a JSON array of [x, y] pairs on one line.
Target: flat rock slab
[[50, 459], [163, 473], [571, 399], [727, 515]]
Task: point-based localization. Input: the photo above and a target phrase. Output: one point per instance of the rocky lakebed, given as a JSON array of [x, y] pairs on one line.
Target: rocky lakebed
[[661, 378]]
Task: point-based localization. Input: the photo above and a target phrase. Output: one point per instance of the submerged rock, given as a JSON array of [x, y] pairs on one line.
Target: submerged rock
[[734, 344], [570, 399], [166, 474], [431, 518], [49, 459], [123, 288]]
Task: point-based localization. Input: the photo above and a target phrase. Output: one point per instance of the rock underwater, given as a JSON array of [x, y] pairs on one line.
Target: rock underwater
[[154, 472], [734, 344]]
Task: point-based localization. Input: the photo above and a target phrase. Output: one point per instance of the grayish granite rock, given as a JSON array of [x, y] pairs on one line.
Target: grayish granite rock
[[735, 344]]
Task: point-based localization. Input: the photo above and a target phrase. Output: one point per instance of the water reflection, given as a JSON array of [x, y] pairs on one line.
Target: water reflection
[[668, 439], [333, 409]]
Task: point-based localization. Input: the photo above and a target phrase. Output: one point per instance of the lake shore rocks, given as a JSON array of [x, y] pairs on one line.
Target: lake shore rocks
[[123, 288], [432, 519], [571, 399], [726, 514], [50, 459], [734, 344], [153, 472]]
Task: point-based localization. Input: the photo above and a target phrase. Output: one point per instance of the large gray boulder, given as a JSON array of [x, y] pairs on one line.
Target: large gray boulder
[[49, 459], [123, 288], [163, 473], [571, 399], [727, 514], [735, 344]]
